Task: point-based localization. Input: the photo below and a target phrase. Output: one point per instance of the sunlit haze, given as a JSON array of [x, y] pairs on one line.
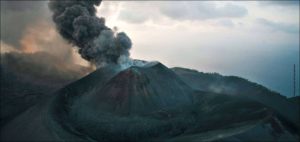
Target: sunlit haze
[[258, 41]]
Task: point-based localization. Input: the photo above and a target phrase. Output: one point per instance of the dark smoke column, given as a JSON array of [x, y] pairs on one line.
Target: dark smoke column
[[77, 22]]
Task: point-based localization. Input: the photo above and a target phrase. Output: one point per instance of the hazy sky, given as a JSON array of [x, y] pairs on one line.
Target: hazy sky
[[258, 41], [255, 40]]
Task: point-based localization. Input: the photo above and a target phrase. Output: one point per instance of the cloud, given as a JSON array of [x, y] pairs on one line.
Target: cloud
[[202, 11], [279, 26], [280, 3], [128, 16], [226, 23], [140, 12]]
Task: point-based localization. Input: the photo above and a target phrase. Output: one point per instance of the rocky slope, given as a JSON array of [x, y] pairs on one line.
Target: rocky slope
[[145, 103]]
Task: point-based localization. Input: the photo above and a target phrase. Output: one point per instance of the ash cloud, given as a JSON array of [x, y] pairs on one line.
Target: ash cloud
[[76, 21]]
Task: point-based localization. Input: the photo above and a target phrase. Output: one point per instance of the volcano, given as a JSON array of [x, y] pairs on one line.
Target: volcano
[[144, 103]]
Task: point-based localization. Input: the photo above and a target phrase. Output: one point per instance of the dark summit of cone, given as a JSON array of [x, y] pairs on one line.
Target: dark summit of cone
[[140, 89]]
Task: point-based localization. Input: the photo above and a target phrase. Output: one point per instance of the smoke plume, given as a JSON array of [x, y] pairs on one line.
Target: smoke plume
[[77, 22]]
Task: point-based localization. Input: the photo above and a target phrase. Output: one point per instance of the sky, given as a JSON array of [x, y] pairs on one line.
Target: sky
[[258, 41]]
